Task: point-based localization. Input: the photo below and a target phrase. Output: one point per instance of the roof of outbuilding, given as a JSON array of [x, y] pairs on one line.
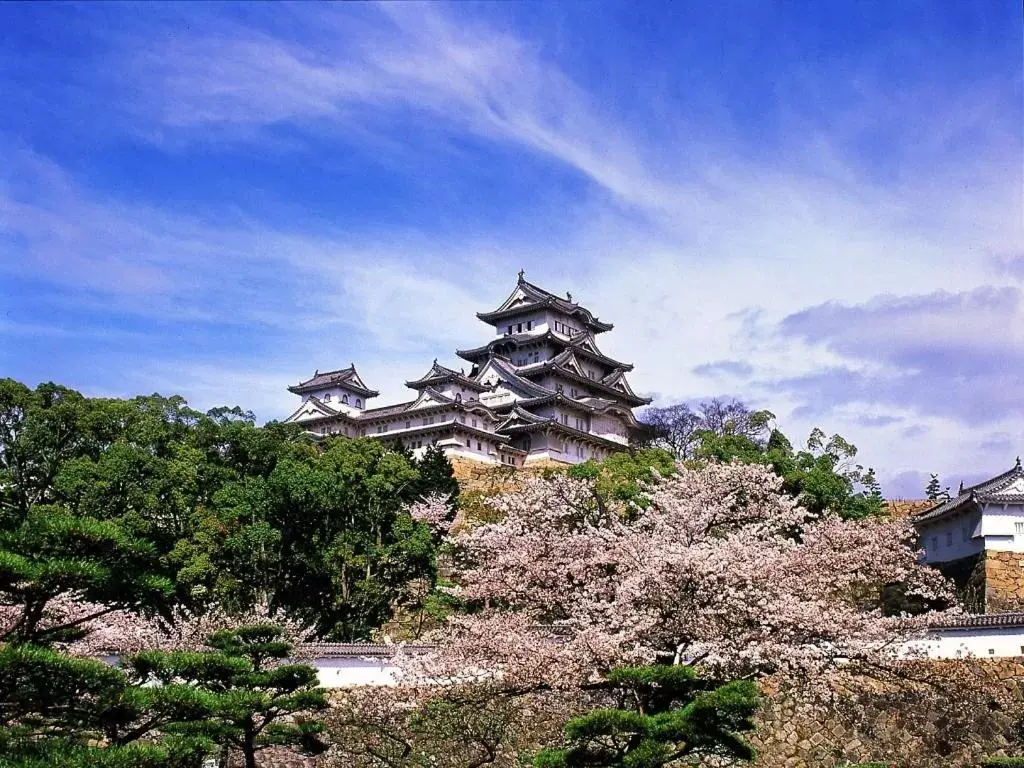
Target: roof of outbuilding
[[1007, 488], [359, 650], [983, 620]]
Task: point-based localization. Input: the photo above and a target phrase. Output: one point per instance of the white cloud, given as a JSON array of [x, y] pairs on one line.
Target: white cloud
[[676, 242]]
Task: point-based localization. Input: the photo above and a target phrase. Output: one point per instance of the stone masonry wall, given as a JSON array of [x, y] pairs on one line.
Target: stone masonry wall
[[482, 479], [878, 725], [1004, 581]]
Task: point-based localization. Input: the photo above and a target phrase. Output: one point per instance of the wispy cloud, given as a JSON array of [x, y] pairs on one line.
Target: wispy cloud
[[794, 264]]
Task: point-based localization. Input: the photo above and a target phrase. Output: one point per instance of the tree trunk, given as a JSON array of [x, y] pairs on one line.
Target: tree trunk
[[250, 755]]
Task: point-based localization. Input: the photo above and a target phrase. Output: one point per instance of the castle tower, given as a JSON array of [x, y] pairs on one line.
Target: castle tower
[[539, 390]]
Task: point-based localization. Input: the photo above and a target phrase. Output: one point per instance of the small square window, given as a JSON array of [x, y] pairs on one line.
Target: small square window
[[991, 651]]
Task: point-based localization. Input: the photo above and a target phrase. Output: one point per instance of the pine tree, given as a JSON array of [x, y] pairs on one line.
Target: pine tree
[[437, 475], [253, 696], [934, 489], [663, 714]]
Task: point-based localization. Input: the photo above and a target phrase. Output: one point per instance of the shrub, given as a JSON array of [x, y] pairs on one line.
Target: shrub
[[1002, 762]]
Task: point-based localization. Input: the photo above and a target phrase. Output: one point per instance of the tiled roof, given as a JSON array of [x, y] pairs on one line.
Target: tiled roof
[[582, 344], [387, 410], [617, 394], [358, 650], [439, 372], [988, 491], [344, 377], [542, 298], [509, 374], [984, 620]]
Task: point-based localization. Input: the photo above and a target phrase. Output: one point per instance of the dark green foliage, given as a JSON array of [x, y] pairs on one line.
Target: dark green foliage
[[161, 709], [1002, 762], [822, 475], [934, 490], [251, 696], [662, 714], [143, 503], [346, 549], [52, 753], [436, 475], [621, 476], [53, 708]]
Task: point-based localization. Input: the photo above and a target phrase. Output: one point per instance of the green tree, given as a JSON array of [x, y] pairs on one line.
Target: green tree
[[334, 542], [436, 475], [662, 715], [822, 474], [252, 697], [139, 504], [55, 708], [620, 477]]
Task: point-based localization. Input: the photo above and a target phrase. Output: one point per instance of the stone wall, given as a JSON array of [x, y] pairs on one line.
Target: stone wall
[[478, 478], [1004, 581], [876, 724]]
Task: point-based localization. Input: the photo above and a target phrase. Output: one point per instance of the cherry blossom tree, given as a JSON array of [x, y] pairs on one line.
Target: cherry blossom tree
[[719, 567]]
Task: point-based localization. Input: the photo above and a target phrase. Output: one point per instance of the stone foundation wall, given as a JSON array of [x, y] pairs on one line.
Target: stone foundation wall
[[1004, 581], [478, 478], [885, 726]]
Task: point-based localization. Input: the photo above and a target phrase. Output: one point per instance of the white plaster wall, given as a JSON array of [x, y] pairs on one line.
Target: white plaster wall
[[610, 427], [538, 319], [336, 403], [344, 672], [982, 642], [486, 452], [996, 528], [934, 539], [999, 527]]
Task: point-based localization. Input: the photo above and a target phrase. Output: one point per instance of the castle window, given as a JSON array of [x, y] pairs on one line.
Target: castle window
[[327, 397], [565, 446], [474, 422], [359, 403], [935, 542], [529, 325], [590, 374], [949, 538], [478, 446], [1018, 527], [519, 328], [458, 398], [344, 399], [510, 330], [408, 425], [469, 443], [559, 388]]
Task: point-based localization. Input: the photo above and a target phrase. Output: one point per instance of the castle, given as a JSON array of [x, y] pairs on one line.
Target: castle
[[539, 390]]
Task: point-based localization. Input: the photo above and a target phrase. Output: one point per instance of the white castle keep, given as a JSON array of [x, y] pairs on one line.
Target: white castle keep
[[539, 390]]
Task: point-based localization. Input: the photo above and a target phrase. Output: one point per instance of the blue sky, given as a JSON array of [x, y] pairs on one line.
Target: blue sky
[[813, 207]]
